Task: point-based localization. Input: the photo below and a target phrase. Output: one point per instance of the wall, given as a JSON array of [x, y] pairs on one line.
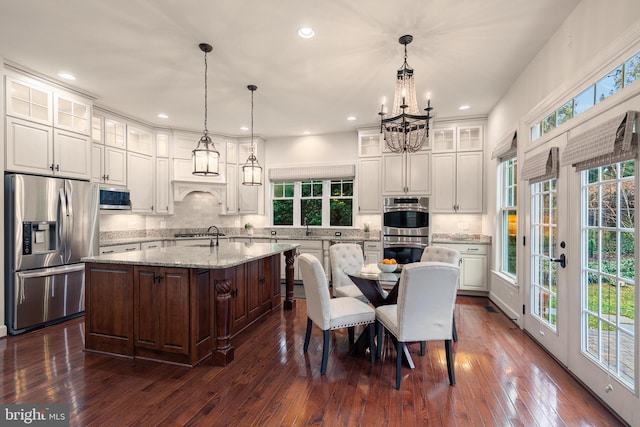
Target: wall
[[572, 53]]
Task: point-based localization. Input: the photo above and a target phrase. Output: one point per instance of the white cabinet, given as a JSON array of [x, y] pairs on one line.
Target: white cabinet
[[114, 133], [372, 252], [369, 185], [114, 249], [108, 161], [242, 199], [27, 99], [370, 142], [406, 174], [473, 268], [312, 247], [71, 154], [71, 113], [457, 170], [163, 201], [151, 245], [140, 173], [457, 180], [139, 140]]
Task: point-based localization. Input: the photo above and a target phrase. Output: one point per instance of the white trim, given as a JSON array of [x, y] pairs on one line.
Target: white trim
[[302, 173]]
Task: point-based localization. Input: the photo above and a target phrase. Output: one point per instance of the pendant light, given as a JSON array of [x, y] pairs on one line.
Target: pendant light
[[251, 171], [206, 159]]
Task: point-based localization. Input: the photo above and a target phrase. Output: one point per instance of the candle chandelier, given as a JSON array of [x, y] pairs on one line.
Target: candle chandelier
[[406, 130], [206, 159], [251, 171]]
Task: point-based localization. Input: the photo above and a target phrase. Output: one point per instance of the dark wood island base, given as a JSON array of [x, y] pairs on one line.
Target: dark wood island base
[[179, 315]]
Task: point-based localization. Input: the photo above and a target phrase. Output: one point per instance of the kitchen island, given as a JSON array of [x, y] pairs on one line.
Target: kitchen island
[[182, 304]]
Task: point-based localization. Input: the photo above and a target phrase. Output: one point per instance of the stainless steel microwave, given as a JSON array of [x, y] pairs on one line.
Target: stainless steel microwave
[[115, 199]]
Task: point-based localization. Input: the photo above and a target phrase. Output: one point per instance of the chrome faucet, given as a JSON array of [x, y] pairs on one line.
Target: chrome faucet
[[306, 224], [217, 233]]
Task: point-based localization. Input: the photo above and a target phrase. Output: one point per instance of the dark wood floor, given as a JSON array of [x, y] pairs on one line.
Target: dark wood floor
[[503, 379]]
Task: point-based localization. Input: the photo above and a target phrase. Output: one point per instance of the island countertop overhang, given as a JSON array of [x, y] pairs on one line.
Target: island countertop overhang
[[226, 255]]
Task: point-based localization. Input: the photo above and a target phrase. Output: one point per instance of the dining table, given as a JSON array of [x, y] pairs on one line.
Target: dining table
[[372, 283]]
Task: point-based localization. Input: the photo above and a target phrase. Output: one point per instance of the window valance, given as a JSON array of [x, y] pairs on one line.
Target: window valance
[[613, 141], [541, 167], [507, 148], [312, 172]]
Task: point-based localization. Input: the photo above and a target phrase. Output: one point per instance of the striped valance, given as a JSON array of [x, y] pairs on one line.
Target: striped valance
[[613, 141], [312, 172], [541, 167], [506, 148]]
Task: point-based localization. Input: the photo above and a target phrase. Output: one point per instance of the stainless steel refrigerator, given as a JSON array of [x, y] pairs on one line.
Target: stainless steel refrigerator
[[50, 224]]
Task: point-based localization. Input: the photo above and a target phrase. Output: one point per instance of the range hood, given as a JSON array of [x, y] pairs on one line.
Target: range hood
[[182, 188]]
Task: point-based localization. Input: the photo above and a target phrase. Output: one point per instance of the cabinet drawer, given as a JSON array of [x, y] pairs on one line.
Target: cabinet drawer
[[465, 249]]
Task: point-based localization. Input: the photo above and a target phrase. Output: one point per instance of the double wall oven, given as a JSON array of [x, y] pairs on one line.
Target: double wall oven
[[405, 228]]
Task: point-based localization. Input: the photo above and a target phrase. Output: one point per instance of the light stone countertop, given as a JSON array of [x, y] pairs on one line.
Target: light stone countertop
[[228, 254], [471, 239]]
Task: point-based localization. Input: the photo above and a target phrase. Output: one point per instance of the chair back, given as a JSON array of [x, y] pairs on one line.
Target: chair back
[[426, 300], [316, 290], [440, 254], [341, 256]]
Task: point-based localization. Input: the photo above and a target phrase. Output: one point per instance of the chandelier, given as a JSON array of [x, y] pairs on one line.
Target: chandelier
[[406, 130], [251, 171], [206, 159]]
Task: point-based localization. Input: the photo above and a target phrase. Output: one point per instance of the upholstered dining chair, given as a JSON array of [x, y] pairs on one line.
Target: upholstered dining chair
[[341, 256], [440, 254], [331, 313], [424, 312]]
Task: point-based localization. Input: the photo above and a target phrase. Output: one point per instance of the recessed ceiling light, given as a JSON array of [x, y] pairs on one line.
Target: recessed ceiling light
[[162, 116], [464, 107], [66, 76], [306, 132], [306, 32], [244, 128], [351, 118]]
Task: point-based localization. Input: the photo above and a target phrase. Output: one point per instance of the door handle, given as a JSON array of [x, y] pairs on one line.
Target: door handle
[[562, 260]]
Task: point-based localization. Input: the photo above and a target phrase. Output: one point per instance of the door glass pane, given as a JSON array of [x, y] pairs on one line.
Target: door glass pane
[[608, 269]]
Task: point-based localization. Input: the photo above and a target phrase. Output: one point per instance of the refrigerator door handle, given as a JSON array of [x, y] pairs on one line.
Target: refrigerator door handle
[[62, 224], [69, 220]]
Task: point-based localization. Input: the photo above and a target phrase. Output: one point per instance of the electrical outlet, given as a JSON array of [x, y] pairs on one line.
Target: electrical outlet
[[338, 233], [132, 225], [273, 232], [163, 224]]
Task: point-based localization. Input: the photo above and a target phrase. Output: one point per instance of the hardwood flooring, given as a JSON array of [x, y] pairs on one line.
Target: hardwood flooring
[[503, 379]]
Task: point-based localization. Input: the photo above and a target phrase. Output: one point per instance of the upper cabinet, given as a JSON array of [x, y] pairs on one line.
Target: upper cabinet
[[47, 129], [457, 170], [243, 199], [369, 176], [108, 160], [406, 174]]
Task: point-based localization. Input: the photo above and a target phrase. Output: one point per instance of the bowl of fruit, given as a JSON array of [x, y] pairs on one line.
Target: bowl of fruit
[[388, 265]]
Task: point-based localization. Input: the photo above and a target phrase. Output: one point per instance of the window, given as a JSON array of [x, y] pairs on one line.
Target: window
[[607, 271], [314, 202], [283, 203], [509, 216]]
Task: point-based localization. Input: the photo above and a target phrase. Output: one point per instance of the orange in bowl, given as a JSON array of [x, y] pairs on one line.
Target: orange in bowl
[[387, 267]]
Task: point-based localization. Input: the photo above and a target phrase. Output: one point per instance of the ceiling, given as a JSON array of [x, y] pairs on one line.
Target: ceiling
[[141, 57]]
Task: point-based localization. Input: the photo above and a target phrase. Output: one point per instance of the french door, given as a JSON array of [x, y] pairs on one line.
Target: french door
[[546, 314]]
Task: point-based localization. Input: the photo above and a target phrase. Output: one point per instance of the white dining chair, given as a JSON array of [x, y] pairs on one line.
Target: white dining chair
[[341, 256], [424, 312], [331, 313], [440, 254]]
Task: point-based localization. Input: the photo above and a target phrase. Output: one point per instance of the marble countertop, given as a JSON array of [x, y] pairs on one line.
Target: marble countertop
[[142, 239], [228, 254], [472, 239]]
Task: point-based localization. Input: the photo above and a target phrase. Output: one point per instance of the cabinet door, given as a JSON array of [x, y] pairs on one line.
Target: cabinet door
[[72, 113], [140, 172], [162, 145], [139, 140], [29, 101], [473, 273], [239, 315], [97, 162], [174, 311], [444, 140], [469, 138], [255, 285], [162, 186], [71, 154], [419, 173], [469, 182], [393, 181], [369, 186], [444, 187], [115, 166], [247, 194], [29, 147], [147, 298], [231, 207], [370, 143], [114, 134]]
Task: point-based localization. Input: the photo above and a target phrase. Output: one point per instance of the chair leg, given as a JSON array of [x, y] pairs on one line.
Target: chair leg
[[399, 356], [423, 346], [307, 336], [380, 338], [455, 332], [352, 335], [372, 346], [325, 351], [449, 353]]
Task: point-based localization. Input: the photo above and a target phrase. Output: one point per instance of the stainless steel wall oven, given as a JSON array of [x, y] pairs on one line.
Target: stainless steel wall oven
[[405, 228]]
